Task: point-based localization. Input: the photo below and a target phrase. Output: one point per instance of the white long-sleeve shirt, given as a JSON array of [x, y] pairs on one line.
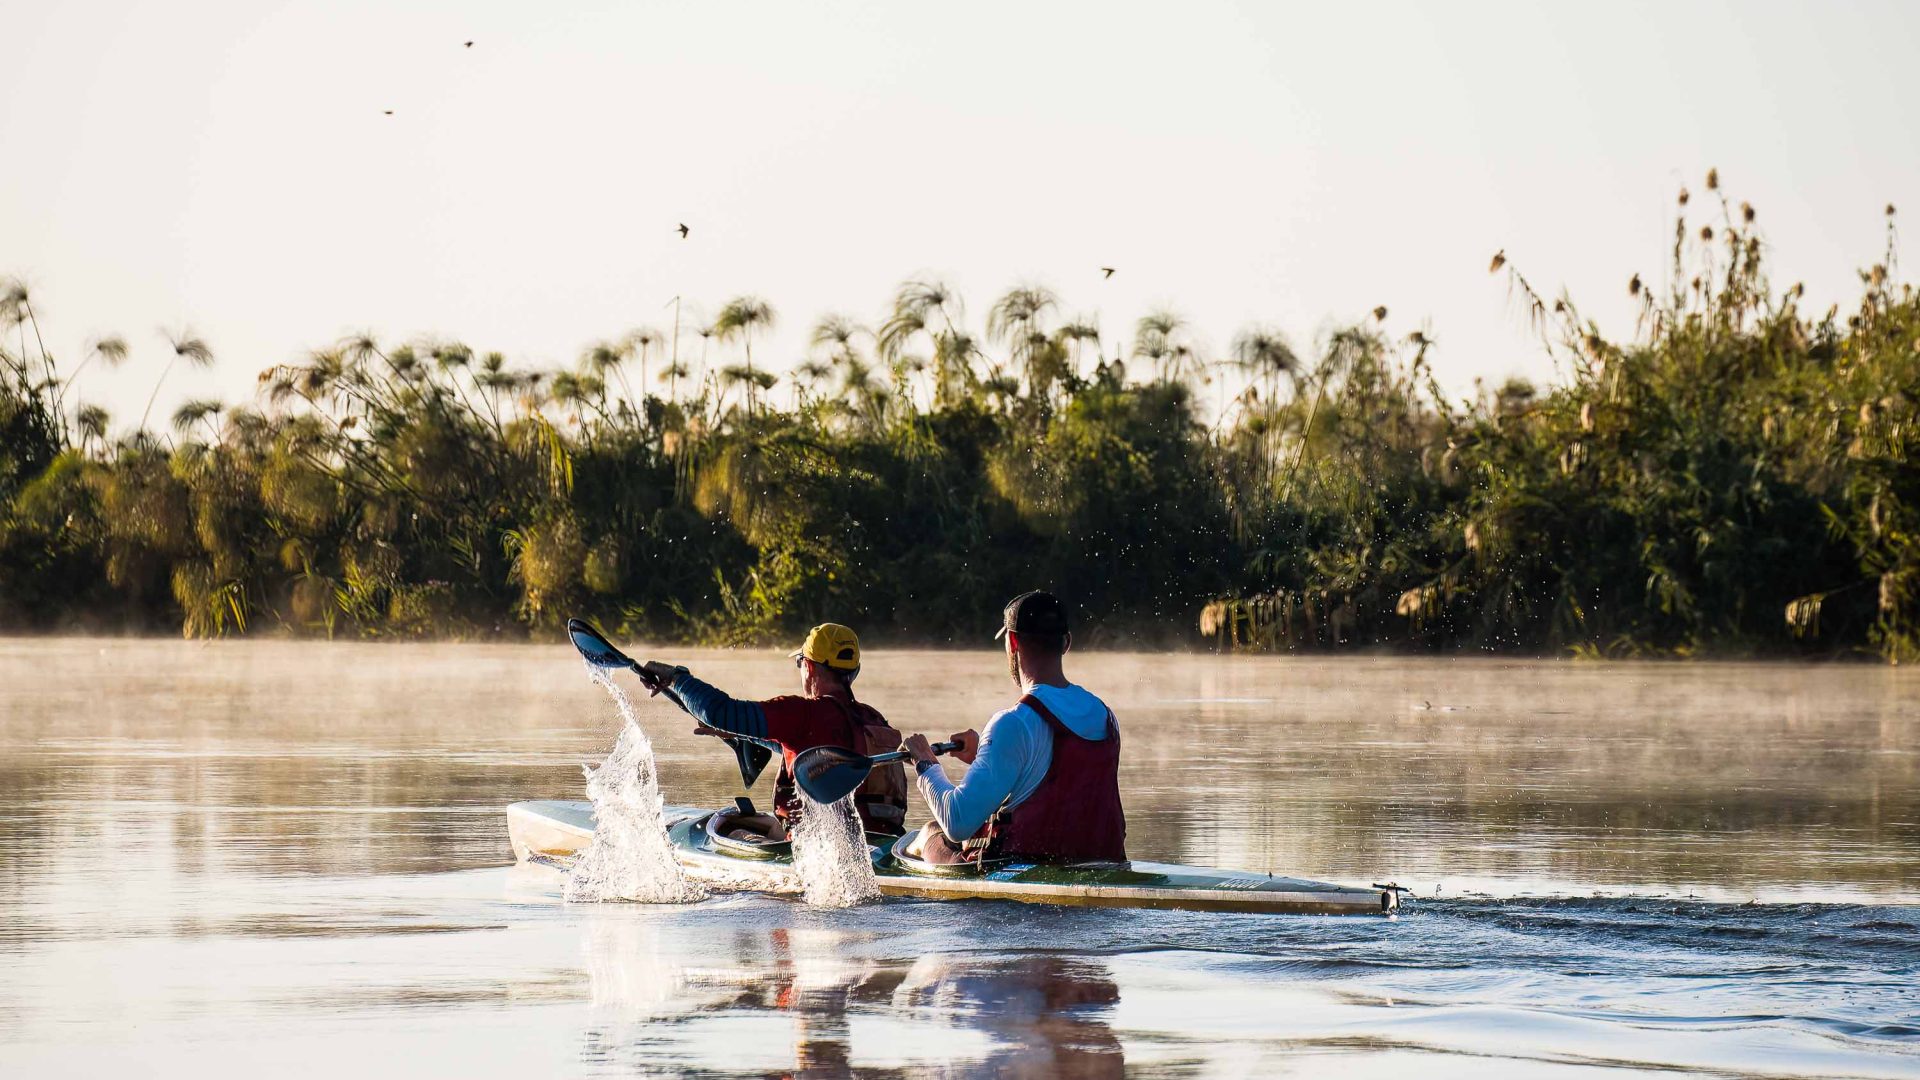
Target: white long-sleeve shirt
[[1016, 749]]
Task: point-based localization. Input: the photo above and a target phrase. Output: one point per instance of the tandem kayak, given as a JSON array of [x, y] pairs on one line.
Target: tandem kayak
[[708, 846]]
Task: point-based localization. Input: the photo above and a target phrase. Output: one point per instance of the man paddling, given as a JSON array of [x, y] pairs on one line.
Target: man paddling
[[1043, 780], [824, 713]]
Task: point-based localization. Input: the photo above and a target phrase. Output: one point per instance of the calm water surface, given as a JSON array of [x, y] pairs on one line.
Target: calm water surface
[[268, 859]]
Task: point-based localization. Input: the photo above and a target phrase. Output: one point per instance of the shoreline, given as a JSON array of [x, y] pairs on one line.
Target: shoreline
[[1368, 654]]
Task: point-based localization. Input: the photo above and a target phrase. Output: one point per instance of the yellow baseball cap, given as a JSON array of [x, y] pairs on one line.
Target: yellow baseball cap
[[833, 645]]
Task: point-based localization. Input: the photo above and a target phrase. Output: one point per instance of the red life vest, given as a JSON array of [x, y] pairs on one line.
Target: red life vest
[[1075, 813], [882, 800]]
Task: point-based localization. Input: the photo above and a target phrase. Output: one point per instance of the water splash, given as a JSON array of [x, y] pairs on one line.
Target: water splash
[[630, 857], [831, 856]]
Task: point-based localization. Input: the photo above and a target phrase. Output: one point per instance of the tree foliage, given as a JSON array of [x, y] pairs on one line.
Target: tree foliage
[[1737, 477]]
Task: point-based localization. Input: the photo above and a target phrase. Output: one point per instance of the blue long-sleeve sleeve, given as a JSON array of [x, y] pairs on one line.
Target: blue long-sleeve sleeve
[[1016, 752], [711, 706], [1012, 760]]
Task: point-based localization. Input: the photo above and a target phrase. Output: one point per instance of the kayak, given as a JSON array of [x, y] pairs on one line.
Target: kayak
[[717, 847]]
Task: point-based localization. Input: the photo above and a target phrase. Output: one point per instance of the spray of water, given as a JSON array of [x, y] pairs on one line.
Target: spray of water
[[630, 857], [831, 856]]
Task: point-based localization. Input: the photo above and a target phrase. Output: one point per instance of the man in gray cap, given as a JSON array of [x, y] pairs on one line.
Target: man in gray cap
[[1043, 780]]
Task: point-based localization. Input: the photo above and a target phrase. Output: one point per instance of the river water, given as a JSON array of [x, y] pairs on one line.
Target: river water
[[274, 859]]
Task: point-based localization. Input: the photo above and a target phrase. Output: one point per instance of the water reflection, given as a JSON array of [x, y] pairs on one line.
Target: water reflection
[[220, 859], [1050, 1012], [668, 1004]]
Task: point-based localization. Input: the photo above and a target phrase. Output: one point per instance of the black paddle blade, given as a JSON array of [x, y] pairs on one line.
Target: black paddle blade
[[830, 773], [595, 647], [753, 758]]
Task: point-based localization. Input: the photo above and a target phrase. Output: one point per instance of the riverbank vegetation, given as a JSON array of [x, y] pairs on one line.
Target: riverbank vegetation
[[1738, 477]]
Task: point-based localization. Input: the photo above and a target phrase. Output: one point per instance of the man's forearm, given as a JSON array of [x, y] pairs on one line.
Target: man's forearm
[[937, 790], [961, 809], [712, 707]]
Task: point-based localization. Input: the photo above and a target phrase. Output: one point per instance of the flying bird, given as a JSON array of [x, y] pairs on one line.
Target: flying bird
[[389, 112], [1107, 270], [684, 230], [469, 44]]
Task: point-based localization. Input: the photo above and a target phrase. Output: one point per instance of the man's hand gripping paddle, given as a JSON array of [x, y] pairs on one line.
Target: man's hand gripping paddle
[[752, 754], [830, 773]]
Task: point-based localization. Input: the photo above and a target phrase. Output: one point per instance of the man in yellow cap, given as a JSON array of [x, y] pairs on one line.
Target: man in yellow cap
[[824, 713]]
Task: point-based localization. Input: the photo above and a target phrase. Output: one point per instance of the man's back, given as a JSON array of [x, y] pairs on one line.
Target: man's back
[[1044, 780], [1016, 751], [1075, 814], [799, 723]]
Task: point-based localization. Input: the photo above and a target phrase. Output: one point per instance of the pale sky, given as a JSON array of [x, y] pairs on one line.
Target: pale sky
[[227, 165]]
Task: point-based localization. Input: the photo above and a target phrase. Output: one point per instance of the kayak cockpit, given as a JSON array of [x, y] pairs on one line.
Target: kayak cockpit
[[906, 854], [746, 833]]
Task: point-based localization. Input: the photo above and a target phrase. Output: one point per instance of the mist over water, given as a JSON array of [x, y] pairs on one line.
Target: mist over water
[[273, 859]]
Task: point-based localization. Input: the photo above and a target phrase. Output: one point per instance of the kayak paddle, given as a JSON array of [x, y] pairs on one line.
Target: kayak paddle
[[751, 754], [601, 653], [830, 773]]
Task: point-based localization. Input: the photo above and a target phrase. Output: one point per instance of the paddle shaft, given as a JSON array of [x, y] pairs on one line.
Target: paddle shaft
[[830, 773], [901, 755], [666, 691], [602, 653], [660, 688], [752, 761]]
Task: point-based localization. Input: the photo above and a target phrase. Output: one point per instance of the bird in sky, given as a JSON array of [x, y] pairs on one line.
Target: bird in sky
[[469, 44], [389, 112], [1107, 270], [684, 230]]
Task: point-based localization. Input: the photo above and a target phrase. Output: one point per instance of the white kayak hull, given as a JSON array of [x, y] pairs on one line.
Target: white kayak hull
[[557, 831]]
